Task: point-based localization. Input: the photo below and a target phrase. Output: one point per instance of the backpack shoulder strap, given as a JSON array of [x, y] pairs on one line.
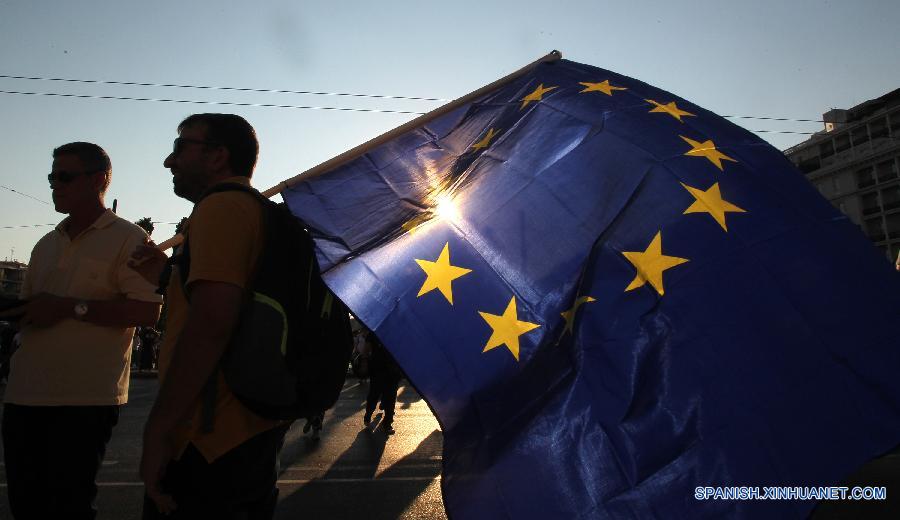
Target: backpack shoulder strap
[[232, 186], [183, 259], [208, 394]]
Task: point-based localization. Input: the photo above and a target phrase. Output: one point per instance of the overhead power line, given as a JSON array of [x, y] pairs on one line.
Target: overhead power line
[[233, 89], [763, 118], [197, 102], [26, 226], [781, 132], [24, 194], [305, 107], [286, 91], [47, 225]]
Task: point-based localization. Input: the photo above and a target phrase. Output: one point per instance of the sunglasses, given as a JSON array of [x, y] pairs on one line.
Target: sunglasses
[[181, 142], [67, 177]]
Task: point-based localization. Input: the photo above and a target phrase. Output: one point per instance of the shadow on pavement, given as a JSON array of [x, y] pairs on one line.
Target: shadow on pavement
[[398, 486], [407, 397], [297, 444]]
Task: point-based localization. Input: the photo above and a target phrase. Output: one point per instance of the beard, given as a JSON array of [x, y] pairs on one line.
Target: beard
[[184, 188]]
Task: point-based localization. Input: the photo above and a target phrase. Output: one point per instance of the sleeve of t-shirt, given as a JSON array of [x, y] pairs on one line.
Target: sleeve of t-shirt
[[223, 236], [129, 282], [25, 290]]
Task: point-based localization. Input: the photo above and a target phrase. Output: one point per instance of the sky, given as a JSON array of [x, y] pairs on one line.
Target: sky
[[788, 59]]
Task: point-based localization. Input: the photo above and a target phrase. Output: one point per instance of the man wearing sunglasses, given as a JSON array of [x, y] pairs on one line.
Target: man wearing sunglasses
[[226, 467], [70, 374]]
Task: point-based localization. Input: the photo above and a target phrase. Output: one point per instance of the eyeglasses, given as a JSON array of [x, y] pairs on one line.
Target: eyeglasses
[[180, 142], [67, 177]]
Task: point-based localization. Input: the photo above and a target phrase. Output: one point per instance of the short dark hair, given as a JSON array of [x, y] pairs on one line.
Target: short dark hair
[[92, 157], [235, 134]]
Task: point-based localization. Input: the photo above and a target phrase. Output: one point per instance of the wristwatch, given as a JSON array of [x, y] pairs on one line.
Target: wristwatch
[[81, 309]]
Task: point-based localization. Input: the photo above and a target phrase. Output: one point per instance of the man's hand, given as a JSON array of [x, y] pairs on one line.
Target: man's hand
[[148, 261], [156, 455], [45, 310]]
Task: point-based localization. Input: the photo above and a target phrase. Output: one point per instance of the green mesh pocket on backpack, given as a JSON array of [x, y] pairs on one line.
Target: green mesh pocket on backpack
[[260, 342]]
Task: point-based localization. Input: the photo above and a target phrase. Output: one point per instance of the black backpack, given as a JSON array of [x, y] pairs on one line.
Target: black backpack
[[288, 356]]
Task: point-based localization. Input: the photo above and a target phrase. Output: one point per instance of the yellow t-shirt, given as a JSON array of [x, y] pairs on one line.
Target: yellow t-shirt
[[225, 234], [76, 363]]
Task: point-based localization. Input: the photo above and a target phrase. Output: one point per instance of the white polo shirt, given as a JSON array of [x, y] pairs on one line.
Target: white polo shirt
[[75, 362]]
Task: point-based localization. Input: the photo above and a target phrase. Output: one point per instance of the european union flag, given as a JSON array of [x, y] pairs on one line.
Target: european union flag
[[610, 296]]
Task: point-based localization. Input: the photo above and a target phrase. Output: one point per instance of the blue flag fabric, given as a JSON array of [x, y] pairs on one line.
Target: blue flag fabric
[[610, 296]]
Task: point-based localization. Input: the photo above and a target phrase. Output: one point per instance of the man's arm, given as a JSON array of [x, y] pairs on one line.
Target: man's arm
[[214, 311], [44, 310], [213, 315], [124, 312]]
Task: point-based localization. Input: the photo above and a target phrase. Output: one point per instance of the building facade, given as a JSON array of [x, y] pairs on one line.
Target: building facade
[[12, 274], [855, 162]]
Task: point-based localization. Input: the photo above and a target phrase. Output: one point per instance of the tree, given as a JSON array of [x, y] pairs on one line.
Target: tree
[[145, 223]]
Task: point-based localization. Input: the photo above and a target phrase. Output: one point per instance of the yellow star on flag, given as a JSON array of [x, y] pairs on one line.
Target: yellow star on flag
[[669, 108], [507, 329], [711, 201], [440, 274], [537, 95], [603, 86], [569, 315], [650, 265], [706, 149], [484, 142]]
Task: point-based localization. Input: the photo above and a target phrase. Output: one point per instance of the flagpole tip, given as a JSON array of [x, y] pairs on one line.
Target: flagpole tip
[[550, 57]]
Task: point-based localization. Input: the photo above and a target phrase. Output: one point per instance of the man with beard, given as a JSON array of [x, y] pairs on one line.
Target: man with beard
[[193, 465]]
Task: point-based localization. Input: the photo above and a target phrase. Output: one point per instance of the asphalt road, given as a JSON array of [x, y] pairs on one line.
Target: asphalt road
[[356, 473], [349, 473]]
